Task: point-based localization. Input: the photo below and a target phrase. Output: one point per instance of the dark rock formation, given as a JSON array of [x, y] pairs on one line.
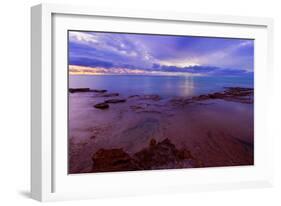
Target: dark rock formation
[[132, 96], [234, 94], [93, 137], [114, 101], [136, 107], [74, 90], [239, 94], [99, 90], [105, 104], [152, 142], [156, 156], [109, 95], [111, 160], [101, 106]]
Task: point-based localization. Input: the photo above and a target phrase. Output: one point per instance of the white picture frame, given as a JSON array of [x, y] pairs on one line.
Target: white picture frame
[[49, 180]]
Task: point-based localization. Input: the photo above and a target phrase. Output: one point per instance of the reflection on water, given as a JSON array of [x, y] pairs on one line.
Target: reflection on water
[[165, 86], [188, 86]]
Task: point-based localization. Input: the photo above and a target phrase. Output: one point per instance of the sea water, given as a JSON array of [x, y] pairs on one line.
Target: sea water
[[165, 86]]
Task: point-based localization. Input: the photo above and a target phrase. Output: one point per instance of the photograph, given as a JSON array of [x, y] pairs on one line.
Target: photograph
[[140, 101]]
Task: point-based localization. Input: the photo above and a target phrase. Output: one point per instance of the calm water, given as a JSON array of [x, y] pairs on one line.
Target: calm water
[[165, 86]]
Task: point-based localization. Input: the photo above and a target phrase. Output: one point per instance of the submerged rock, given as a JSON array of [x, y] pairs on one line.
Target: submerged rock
[[142, 131], [153, 97], [132, 96], [113, 101], [110, 95], [136, 107], [101, 106]]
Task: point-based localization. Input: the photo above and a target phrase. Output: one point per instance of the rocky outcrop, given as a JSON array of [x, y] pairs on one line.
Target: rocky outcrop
[[133, 96], [136, 107], [74, 90], [105, 104], [153, 97], [159, 155], [234, 94], [99, 90], [101, 106], [109, 95], [112, 160], [114, 101]]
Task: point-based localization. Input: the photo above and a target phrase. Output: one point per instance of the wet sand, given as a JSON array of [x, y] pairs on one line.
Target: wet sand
[[150, 132]]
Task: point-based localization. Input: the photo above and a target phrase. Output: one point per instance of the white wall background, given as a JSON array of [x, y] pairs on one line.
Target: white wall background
[[15, 95]]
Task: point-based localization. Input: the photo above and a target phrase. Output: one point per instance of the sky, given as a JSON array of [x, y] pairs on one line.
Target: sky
[[96, 53]]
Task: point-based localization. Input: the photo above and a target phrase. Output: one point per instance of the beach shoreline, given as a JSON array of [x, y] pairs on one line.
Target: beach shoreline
[[109, 131]]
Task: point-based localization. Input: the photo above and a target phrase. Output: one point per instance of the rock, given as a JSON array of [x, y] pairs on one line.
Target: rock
[[101, 105], [149, 111], [183, 101], [161, 155], [234, 94], [114, 101], [239, 89], [110, 95], [110, 160], [165, 155], [184, 154], [132, 96], [212, 96], [93, 137], [74, 90], [152, 142], [239, 94], [157, 155], [200, 97], [99, 90], [136, 107]]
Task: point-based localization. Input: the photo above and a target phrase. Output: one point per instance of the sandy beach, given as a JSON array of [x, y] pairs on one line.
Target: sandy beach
[[110, 131]]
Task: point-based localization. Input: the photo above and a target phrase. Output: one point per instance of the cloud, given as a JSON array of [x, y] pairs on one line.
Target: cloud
[[91, 62], [160, 53]]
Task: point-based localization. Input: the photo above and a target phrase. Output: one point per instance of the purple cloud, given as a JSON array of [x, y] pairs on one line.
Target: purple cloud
[[184, 54]]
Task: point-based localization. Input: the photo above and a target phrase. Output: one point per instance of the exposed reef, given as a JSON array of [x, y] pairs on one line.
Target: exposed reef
[[114, 101], [74, 90], [159, 155], [234, 94], [101, 106]]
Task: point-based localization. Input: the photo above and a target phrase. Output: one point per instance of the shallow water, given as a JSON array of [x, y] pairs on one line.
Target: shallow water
[[216, 132], [165, 86]]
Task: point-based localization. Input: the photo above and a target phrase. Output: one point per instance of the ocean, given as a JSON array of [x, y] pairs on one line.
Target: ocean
[[165, 86]]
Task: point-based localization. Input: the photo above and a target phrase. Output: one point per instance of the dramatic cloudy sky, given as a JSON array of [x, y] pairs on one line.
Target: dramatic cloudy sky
[[116, 53]]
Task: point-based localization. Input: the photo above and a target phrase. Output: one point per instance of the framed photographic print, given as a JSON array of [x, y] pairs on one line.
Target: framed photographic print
[[134, 102]]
